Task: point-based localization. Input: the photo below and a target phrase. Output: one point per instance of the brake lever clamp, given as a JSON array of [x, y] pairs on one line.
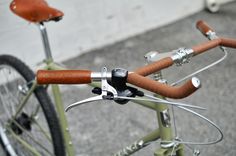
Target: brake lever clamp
[[118, 82], [107, 92]]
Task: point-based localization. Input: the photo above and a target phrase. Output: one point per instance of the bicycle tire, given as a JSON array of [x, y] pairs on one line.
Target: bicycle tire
[[48, 112]]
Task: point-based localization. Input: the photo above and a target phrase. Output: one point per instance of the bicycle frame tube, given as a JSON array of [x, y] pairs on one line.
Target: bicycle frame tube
[[166, 135], [168, 151], [60, 110], [139, 144], [165, 129], [164, 132], [25, 99], [163, 117], [63, 120]]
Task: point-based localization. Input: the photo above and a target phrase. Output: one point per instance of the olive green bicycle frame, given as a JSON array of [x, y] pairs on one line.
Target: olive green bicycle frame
[[163, 133]]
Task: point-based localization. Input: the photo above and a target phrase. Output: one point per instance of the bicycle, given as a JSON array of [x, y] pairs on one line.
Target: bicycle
[[112, 86]]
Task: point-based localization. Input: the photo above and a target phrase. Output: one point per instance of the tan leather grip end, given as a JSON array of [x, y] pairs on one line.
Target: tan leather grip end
[[155, 66], [206, 46], [228, 42], [163, 89], [64, 77], [203, 27]]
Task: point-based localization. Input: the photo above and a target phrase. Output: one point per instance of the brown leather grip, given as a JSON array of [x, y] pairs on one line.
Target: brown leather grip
[[203, 27], [64, 77], [154, 67], [228, 42], [162, 89], [206, 46]]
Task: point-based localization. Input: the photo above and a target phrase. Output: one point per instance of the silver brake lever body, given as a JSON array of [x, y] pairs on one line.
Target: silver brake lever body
[[106, 88], [91, 99]]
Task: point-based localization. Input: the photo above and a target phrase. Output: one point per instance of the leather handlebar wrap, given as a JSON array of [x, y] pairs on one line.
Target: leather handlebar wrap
[[64, 77], [227, 42], [206, 46], [155, 66], [203, 27], [163, 89]]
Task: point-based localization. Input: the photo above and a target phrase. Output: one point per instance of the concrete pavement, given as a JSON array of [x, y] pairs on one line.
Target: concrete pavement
[[105, 127]]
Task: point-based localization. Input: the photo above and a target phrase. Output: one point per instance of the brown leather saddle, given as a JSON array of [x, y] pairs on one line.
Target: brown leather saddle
[[36, 11]]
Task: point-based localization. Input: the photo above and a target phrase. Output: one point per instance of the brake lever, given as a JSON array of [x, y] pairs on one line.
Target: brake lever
[[106, 88], [91, 99]]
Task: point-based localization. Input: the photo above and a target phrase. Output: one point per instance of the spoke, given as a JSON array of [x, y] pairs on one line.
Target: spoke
[[34, 114], [34, 117], [7, 91], [24, 143], [42, 130], [12, 100], [31, 137], [4, 106], [24, 100]]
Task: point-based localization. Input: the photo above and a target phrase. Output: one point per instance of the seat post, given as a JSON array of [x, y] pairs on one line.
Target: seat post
[[45, 40]]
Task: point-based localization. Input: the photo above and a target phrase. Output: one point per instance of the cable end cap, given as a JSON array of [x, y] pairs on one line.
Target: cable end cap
[[196, 82]]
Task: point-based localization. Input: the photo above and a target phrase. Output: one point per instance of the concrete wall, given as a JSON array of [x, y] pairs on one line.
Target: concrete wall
[[87, 25]]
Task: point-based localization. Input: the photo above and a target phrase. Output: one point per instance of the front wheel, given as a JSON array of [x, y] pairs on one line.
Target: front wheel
[[30, 129], [212, 5]]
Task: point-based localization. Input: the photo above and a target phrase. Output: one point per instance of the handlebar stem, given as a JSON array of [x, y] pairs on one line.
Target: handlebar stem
[[211, 35], [182, 56]]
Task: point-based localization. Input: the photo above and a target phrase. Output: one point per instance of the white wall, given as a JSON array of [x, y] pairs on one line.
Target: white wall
[[88, 24]]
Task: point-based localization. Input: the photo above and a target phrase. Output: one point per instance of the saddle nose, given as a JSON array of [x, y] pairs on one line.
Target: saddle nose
[[35, 11]]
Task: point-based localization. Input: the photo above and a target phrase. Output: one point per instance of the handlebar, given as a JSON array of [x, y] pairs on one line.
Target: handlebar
[[155, 66], [137, 77], [203, 27], [163, 89], [86, 76]]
